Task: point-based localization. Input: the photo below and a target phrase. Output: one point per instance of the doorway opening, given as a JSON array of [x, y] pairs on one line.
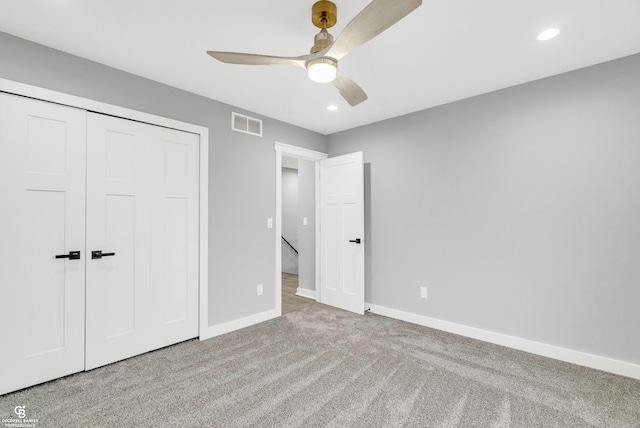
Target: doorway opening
[[298, 233], [297, 227]]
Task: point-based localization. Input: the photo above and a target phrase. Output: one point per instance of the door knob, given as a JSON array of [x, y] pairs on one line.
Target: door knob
[[98, 254], [73, 255], [357, 240]]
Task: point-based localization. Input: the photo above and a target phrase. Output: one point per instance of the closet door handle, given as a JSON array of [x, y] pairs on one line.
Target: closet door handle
[[356, 241], [98, 254], [73, 255]]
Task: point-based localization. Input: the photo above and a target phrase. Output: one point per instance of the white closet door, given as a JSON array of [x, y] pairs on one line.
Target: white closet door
[[42, 191], [142, 215], [174, 236]]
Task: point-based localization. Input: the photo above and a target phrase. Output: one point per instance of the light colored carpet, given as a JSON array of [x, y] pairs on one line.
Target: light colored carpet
[[322, 367]]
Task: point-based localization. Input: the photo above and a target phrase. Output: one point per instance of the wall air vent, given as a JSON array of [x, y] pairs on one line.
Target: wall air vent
[[246, 124]]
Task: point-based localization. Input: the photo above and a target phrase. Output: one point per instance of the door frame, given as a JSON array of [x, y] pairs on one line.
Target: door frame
[[308, 155], [22, 89]]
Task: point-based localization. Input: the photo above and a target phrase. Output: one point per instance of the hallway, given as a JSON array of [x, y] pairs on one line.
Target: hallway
[[291, 302]]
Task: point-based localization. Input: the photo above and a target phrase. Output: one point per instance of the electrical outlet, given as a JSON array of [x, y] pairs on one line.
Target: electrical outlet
[[423, 292], [259, 289]]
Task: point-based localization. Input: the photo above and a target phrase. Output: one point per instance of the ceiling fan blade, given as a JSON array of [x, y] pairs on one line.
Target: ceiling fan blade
[[350, 91], [371, 21], [253, 59]]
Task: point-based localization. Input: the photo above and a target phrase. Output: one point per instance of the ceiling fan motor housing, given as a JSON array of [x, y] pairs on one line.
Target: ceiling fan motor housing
[[324, 14]]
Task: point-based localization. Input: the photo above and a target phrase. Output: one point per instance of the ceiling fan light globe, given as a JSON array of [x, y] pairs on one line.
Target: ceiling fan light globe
[[322, 70]]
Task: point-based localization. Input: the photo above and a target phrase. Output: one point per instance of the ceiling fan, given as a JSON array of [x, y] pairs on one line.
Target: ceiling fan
[[322, 62]]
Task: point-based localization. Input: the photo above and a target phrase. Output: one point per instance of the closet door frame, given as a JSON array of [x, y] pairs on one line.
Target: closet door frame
[[21, 89]]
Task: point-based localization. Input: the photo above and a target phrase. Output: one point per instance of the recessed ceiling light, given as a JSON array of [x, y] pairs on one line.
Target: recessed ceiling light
[[548, 34], [332, 107]]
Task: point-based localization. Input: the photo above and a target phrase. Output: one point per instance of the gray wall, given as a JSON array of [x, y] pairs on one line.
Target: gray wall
[[290, 205], [242, 177], [518, 209], [306, 234], [298, 202], [289, 193]]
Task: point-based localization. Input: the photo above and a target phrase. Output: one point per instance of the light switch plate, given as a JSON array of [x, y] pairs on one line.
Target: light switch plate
[[304, 221], [269, 223]]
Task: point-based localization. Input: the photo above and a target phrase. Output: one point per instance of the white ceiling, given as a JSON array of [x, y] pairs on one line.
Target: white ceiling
[[444, 51]]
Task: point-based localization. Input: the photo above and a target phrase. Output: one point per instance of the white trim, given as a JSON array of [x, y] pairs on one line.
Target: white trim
[[278, 233], [299, 152], [317, 284], [22, 89], [303, 292], [563, 354], [228, 327], [203, 298], [305, 154]]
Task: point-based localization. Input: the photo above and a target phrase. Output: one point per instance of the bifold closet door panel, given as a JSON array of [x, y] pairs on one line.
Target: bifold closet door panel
[[42, 226], [174, 237], [118, 207], [142, 287]]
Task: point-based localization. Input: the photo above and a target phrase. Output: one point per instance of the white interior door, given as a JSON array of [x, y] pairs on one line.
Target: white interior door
[[142, 214], [342, 232], [42, 186]]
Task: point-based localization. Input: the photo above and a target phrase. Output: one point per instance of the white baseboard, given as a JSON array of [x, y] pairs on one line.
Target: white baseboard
[[228, 327], [303, 292], [576, 357]]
